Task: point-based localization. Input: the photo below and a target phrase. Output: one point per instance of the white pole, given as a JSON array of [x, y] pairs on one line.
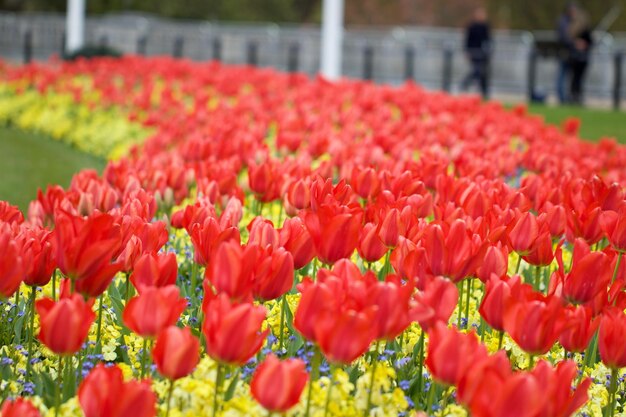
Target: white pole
[[332, 38], [75, 25]]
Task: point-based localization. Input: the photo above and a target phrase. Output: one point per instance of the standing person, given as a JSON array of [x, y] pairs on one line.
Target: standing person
[[566, 44], [580, 34], [478, 51]]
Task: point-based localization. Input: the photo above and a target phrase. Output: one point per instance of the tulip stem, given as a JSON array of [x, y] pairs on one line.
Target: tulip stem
[[467, 302], [33, 296], [330, 391], [308, 398], [194, 279], [54, 285], [99, 330], [446, 399], [16, 311], [460, 305], [283, 305], [216, 392], [143, 357], [537, 281], [57, 389], [127, 295], [594, 348], [371, 388], [500, 339], [612, 392], [617, 264], [315, 363], [481, 329], [431, 397], [169, 397], [420, 375], [386, 266], [315, 374]]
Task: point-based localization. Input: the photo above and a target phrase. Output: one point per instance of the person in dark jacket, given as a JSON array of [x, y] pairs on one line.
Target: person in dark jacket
[[580, 33], [478, 51], [566, 43]]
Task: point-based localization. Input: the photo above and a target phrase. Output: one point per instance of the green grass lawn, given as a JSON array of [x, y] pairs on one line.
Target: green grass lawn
[[30, 161], [595, 123]]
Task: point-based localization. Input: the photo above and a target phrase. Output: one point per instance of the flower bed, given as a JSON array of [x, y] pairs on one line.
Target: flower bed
[[324, 249]]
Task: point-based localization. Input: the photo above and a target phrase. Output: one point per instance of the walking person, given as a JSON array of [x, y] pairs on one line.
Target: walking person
[[566, 44], [478, 51], [580, 33]]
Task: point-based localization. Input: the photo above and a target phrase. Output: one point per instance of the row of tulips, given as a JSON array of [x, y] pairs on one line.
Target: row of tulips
[[318, 242]]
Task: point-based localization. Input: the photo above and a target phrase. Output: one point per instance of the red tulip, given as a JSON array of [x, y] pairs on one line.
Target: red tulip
[[264, 179], [611, 338], [497, 295], [392, 299], [615, 230], [452, 251], [64, 324], [154, 270], [37, 251], [409, 261], [590, 274], [192, 214], [207, 236], [496, 261], [556, 385], [176, 352], [298, 195], [435, 303], [585, 224], [315, 300], [371, 248], [131, 252], [104, 393], [12, 269], [232, 271], [451, 353], [533, 321], [273, 275], [233, 331], [540, 252], [547, 392], [262, 233], [10, 214], [476, 386], [334, 231], [556, 219], [140, 237], [295, 238], [345, 335], [391, 228], [365, 182], [524, 233], [154, 309], [85, 249], [579, 328], [277, 385], [20, 407]]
